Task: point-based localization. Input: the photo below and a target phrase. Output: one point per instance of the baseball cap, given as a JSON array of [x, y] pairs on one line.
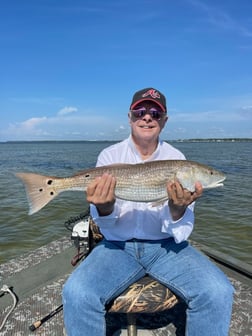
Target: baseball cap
[[149, 94]]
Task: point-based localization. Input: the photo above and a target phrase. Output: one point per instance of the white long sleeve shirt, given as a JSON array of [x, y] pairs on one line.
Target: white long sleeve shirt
[[137, 219]]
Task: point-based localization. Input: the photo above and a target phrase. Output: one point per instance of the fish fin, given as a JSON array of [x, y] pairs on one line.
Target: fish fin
[[160, 201], [103, 168], [120, 164], [39, 190]]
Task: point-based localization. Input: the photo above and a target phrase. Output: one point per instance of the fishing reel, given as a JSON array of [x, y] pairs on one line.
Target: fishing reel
[[79, 227], [80, 234]]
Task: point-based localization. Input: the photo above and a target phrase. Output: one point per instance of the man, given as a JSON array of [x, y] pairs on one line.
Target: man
[[140, 239]]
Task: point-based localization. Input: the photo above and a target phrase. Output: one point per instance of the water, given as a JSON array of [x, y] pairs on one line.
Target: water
[[223, 216]]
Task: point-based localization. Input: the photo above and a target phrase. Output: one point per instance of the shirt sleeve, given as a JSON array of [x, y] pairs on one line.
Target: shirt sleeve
[[181, 228], [104, 158], [104, 221]]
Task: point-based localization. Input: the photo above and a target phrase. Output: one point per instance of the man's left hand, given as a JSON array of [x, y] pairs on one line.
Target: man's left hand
[[180, 198]]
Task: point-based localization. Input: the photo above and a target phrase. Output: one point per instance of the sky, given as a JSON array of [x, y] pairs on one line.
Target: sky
[[69, 68]]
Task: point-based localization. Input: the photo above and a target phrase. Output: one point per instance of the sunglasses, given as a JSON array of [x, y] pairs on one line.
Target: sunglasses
[[153, 112]]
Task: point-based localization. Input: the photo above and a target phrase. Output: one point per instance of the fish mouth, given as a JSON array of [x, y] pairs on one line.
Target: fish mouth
[[217, 184]]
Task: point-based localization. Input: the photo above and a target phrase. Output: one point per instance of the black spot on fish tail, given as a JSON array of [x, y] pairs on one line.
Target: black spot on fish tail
[[39, 190]]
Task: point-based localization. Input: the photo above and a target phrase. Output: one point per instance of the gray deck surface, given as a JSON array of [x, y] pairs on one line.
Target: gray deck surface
[[37, 280]]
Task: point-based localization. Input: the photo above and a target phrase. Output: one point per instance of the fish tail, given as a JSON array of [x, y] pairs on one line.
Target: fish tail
[[40, 190]]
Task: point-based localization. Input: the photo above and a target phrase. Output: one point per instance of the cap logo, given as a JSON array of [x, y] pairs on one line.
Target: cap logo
[[153, 93]]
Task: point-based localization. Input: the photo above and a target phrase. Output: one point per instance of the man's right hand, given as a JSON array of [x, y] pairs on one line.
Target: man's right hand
[[101, 193]]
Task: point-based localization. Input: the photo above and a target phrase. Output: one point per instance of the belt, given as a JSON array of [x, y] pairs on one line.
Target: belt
[[138, 240], [147, 240]]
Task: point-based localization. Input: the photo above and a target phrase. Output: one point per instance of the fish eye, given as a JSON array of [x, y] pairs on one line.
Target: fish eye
[[211, 172]]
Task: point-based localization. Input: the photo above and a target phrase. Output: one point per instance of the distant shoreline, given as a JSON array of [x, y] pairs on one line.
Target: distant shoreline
[[113, 141]]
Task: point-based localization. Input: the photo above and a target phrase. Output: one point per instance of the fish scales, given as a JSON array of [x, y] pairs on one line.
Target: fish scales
[[143, 182], [135, 184]]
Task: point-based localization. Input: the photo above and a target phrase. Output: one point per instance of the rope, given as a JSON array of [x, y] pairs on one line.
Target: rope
[[6, 289]]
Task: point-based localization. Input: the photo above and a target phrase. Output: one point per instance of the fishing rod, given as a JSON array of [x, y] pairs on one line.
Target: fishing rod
[[38, 323]]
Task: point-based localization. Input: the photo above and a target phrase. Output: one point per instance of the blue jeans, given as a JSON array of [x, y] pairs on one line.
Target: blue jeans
[[113, 266]]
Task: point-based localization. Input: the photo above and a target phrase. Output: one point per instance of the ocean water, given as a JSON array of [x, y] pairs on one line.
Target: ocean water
[[223, 215]]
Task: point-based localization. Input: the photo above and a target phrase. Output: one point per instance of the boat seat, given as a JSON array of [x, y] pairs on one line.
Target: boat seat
[[144, 296]]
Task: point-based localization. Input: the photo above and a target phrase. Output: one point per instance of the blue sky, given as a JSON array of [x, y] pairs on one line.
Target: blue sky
[[69, 68]]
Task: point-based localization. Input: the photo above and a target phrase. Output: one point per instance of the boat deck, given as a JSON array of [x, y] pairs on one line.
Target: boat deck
[[37, 279]]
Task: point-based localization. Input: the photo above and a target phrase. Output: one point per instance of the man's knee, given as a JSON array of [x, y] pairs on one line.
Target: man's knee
[[217, 293], [76, 291]]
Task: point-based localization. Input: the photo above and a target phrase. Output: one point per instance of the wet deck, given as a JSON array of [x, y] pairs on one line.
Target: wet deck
[[37, 280]]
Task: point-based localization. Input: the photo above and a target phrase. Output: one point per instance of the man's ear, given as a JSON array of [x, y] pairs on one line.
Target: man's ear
[[165, 121], [129, 118]]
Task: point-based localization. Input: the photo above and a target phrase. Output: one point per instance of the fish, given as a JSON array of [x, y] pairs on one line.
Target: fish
[[141, 182]]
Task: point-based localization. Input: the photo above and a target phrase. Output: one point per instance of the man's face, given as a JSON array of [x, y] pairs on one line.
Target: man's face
[[147, 121]]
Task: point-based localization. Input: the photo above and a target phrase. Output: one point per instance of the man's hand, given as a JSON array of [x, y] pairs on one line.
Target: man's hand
[[101, 193], [180, 198]]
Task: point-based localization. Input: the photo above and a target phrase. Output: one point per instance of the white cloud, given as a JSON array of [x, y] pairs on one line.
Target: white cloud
[[194, 116], [29, 129], [246, 112], [221, 19], [32, 123], [67, 110], [63, 126], [247, 107]]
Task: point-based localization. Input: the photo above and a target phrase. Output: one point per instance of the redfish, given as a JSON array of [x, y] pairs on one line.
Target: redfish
[[142, 182]]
